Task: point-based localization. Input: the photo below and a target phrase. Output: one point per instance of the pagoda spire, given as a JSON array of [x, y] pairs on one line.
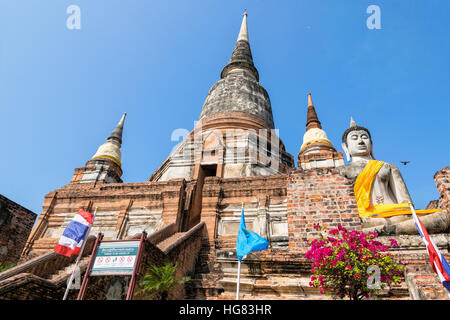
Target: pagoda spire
[[312, 120], [117, 133], [317, 151], [238, 90], [314, 135], [105, 166], [243, 33], [111, 148], [242, 55]]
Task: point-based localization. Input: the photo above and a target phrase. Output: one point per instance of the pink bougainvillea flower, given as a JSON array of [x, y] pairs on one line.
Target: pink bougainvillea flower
[[393, 243], [355, 251]]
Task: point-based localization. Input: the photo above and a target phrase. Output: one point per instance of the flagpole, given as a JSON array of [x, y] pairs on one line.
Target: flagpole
[[412, 209], [238, 280], [79, 257], [416, 219], [239, 272]]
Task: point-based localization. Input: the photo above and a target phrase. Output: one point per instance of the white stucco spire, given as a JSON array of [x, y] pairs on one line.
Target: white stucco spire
[[243, 33], [314, 133]]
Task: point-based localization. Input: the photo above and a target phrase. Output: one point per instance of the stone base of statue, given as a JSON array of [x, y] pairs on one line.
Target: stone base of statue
[[437, 222]]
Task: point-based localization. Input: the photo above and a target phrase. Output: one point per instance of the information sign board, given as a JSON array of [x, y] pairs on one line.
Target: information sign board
[[115, 258]]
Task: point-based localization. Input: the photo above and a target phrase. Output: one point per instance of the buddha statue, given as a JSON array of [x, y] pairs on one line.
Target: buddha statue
[[387, 187]]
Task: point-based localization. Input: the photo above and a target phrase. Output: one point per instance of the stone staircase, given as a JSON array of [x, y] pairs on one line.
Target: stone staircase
[[67, 271], [276, 286], [276, 274], [270, 275], [44, 277], [423, 282]]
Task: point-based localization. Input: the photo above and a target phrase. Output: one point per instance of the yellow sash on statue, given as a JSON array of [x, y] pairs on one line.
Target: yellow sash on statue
[[363, 185]]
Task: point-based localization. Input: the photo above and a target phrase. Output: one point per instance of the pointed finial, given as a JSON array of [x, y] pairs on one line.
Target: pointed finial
[[118, 130], [314, 135], [312, 121], [243, 33], [352, 122], [241, 58], [111, 148], [310, 103]]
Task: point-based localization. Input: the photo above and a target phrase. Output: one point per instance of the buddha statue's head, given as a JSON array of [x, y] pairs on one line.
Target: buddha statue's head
[[356, 141]]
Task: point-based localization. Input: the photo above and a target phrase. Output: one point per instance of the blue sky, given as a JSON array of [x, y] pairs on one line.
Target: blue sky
[[62, 91]]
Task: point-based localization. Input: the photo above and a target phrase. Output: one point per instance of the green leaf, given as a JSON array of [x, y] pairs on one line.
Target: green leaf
[[159, 281], [5, 265]]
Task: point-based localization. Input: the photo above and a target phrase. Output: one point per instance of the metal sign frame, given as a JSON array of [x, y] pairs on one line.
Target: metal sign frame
[[137, 264], [113, 274]]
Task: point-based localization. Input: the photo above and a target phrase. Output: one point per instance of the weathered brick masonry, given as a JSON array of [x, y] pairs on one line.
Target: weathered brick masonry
[[124, 209], [15, 226], [318, 196]]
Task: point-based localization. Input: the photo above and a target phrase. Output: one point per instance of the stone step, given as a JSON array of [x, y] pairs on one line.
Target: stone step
[[427, 283], [294, 288], [168, 241], [436, 294], [67, 270]]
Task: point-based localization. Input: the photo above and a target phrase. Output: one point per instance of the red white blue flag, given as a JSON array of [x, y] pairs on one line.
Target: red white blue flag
[[438, 262], [72, 238]]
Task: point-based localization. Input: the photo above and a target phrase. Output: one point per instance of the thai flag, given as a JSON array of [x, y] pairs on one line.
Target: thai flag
[[72, 238], [438, 262]]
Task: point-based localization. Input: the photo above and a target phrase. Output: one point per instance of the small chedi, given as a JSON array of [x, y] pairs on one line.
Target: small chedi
[[387, 187], [190, 206]]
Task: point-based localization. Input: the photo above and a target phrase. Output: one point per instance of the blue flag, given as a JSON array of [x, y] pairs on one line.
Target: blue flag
[[248, 241]]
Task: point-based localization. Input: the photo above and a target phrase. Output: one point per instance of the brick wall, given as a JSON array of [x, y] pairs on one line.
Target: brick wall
[[221, 201], [15, 226], [318, 196], [123, 210]]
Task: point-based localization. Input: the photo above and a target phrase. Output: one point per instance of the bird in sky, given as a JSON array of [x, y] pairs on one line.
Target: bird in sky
[[405, 162]]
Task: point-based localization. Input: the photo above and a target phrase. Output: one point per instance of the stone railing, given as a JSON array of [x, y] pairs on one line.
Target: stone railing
[[183, 251], [162, 234], [195, 232], [44, 277], [38, 278], [45, 265]]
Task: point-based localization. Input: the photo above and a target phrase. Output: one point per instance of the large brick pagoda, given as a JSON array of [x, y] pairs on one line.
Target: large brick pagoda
[[191, 205]]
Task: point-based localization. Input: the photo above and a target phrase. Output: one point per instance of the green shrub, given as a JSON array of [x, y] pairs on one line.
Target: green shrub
[[5, 265], [158, 282]]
